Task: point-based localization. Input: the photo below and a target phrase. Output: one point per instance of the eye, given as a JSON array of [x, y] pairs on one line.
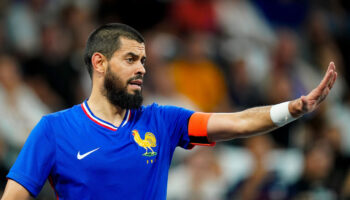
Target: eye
[[130, 60], [143, 61]]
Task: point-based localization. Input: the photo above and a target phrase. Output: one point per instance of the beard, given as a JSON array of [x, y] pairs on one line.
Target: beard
[[118, 95]]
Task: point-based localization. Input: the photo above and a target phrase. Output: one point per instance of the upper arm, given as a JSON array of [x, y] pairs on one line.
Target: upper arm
[[198, 129], [36, 159], [175, 120], [185, 128], [15, 191]]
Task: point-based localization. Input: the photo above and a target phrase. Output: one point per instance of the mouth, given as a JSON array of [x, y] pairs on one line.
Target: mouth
[[137, 84]]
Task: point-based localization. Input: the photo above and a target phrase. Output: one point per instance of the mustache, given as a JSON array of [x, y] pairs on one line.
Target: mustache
[[137, 77]]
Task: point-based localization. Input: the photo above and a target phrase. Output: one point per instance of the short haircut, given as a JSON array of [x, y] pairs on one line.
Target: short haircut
[[106, 40]]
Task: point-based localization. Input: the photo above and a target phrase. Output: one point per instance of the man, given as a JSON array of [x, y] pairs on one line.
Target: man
[[111, 147]]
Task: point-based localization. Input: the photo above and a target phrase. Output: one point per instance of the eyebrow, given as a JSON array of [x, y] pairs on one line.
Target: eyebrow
[[134, 55]]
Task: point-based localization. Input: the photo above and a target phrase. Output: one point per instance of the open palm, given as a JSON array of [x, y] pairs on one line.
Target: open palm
[[311, 101]]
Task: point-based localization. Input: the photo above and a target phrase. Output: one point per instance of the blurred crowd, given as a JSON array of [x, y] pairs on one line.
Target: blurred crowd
[[204, 55]]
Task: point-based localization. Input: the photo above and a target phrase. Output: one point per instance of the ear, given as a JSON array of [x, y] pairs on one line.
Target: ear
[[99, 63]]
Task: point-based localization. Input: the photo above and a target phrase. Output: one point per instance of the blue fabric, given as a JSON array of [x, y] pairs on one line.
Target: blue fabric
[[112, 164]]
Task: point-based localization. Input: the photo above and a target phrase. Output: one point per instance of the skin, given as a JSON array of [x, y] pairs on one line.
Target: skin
[[129, 60]]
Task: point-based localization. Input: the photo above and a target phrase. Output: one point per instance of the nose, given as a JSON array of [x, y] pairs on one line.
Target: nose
[[141, 69]]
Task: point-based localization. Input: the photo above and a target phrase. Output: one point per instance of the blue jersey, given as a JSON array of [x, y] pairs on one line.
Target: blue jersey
[[85, 157]]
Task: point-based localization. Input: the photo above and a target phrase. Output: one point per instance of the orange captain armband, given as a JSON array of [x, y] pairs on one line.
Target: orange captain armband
[[197, 130]]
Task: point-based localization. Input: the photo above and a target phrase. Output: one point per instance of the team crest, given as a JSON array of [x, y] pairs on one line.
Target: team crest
[[147, 143]]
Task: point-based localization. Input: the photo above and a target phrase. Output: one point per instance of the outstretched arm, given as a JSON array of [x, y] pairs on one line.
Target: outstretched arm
[[258, 120]]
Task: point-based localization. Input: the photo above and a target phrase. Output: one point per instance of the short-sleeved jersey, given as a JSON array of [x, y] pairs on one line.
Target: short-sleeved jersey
[[85, 157]]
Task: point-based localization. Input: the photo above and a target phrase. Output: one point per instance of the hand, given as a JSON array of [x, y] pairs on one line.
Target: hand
[[311, 101]]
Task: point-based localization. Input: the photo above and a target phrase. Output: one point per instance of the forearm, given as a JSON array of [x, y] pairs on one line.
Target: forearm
[[263, 119], [253, 121], [15, 191]]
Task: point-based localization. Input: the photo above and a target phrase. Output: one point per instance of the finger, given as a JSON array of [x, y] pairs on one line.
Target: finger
[[334, 76], [307, 101], [333, 80], [326, 80], [303, 103], [307, 104], [303, 100], [331, 66], [323, 96]]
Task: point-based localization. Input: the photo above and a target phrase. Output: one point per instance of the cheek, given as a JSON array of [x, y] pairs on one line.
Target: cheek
[[124, 73]]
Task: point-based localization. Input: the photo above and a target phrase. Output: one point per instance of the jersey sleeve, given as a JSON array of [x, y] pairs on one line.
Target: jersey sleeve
[[187, 128], [35, 160]]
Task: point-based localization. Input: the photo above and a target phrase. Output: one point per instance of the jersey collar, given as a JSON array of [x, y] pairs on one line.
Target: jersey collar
[[102, 122]]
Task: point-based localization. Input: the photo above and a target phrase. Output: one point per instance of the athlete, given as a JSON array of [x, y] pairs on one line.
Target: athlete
[[111, 147]]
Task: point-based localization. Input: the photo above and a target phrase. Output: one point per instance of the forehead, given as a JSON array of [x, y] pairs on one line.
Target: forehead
[[133, 46]]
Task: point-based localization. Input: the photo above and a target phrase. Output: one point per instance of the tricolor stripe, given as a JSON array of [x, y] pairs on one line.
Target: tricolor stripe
[[127, 118], [101, 122]]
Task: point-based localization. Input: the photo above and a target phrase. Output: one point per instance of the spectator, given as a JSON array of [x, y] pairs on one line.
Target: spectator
[[198, 77], [199, 178], [160, 86], [20, 108], [262, 183], [197, 15], [317, 165], [243, 92]]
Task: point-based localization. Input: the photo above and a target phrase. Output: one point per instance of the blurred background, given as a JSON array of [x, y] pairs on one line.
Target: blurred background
[[205, 55]]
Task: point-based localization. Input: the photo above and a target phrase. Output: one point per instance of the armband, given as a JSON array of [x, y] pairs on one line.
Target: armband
[[197, 129]]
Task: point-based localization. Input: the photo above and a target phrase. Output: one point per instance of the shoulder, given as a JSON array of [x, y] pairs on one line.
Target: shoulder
[[161, 108], [150, 107], [155, 109], [62, 114]]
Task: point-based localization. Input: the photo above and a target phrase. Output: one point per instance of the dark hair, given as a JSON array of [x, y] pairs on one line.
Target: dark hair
[[105, 40]]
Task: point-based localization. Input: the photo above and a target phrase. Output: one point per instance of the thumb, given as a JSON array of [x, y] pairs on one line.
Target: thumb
[[304, 103], [303, 100]]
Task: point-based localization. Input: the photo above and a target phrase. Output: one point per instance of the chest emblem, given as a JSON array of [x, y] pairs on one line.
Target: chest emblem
[[147, 143]]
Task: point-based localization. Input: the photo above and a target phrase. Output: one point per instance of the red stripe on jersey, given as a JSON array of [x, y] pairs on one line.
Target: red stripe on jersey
[[51, 183], [97, 122]]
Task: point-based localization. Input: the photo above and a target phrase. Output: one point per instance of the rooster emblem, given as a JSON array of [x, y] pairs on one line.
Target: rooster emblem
[[147, 143]]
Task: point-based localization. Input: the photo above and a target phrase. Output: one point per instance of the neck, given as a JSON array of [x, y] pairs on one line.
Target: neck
[[103, 109]]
